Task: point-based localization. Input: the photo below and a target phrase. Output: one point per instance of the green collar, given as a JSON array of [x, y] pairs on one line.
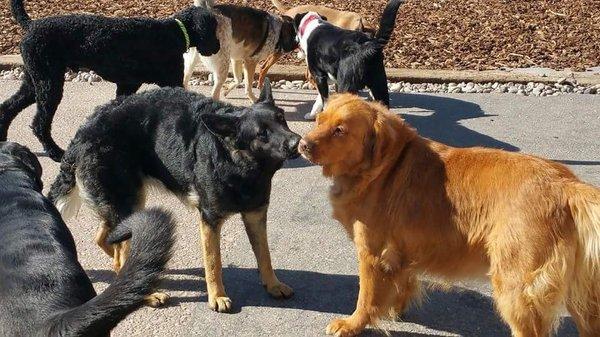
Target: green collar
[[185, 34]]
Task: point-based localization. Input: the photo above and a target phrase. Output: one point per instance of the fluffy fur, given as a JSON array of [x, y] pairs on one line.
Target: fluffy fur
[[216, 157], [128, 52], [413, 206], [342, 19], [352, 59], [44, 291], [247, 36]]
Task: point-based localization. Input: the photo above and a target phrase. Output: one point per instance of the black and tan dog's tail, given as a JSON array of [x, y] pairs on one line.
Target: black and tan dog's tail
[[18, 11], [152, 238], [388, 22]]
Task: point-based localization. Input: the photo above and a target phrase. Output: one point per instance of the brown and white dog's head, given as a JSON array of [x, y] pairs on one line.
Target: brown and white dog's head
[[353, 137]]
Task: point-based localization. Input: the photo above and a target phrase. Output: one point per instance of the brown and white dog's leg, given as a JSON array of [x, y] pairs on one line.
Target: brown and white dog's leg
[[256, 228], [237, 67], [249, 70], [191, 59], [211, 239]]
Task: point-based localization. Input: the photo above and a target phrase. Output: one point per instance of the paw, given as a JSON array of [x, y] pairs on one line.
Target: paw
[[343, 328], [157, 300], [280, 290], [310, 116], [220, 304]]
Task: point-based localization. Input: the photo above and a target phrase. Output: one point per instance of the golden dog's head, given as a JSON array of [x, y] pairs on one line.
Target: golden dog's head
[[353, 136]]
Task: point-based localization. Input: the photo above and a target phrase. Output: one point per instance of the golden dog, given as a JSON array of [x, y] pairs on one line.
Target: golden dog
[[413, 206]]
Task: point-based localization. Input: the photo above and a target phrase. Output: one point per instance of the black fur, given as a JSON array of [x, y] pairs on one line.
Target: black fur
[[44, 291], [353, 58], [126, 51], [190, 143]]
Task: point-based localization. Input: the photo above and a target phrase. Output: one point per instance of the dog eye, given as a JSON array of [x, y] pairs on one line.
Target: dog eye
[[338, 131], [264, 135], [280, 117]]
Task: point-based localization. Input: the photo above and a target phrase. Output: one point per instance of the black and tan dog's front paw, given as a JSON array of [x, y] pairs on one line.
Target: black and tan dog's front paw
[[220, 304], [157, 300], [344, 328], [280, 290]]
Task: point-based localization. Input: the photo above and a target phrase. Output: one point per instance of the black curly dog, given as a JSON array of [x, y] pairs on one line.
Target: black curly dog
[[126, 51]]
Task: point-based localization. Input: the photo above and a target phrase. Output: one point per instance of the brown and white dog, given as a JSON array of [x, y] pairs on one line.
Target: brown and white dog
[[343, 19], [247, 36], [414, 206]]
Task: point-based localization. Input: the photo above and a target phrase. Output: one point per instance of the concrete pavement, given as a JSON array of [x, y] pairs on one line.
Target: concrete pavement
[[310, 251]]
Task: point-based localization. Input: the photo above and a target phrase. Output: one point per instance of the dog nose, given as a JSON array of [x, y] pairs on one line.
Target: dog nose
[[304, 146]]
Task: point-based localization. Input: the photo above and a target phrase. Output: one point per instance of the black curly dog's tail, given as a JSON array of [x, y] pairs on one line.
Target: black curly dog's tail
[[152, 233], [18, 10], [388, 21]]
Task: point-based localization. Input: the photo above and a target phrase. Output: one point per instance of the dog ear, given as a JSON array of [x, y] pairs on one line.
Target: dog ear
[[221, 125], [384, 137], [24, 156], [266, 94]]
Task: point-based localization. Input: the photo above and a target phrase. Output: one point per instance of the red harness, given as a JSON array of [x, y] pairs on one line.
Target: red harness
[[305, 24]]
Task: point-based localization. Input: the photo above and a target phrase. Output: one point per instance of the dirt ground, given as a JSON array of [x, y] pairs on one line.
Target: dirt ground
[[437, 34]]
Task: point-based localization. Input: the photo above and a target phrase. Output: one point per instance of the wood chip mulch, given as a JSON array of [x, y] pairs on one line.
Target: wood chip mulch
[[437, 34]]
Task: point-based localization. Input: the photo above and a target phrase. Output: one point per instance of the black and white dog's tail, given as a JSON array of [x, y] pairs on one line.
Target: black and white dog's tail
[[388, 21], [152, 238], [18, 10]]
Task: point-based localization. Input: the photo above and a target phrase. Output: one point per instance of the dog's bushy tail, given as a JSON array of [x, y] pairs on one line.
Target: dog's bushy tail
[[584, 204], [18, 11], [64, 193], [152, 238], [388, 22]]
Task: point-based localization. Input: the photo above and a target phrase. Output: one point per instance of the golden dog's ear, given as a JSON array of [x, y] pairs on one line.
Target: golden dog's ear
[[384, 138]]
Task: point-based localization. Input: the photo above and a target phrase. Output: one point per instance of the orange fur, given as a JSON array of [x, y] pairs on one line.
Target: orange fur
[[413, 206]]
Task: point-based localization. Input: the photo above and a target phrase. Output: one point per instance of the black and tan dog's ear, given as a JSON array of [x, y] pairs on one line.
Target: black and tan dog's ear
[[221, 125], [266, 94]]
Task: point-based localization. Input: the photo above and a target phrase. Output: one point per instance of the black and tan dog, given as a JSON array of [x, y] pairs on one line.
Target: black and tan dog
[[126, 51], [44, 291], [215, 157], [247, 36]]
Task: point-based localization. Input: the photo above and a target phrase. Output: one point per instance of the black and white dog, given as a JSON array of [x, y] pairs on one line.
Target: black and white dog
[[126, 51], [352, 59], [215, 157], [44, 291]]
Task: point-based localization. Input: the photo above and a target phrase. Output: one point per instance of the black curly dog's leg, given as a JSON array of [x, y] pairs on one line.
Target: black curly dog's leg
[[15, 104], [48, 96]]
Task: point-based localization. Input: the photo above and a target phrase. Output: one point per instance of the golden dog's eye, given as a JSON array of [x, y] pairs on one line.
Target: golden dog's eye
[[338, 131]]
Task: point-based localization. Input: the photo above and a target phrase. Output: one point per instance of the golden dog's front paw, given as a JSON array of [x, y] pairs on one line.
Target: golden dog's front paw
[[280, 290], [220, 304], [157, 300], [344, 328]]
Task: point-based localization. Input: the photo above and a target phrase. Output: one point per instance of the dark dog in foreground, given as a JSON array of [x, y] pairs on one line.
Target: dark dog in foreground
[[44, 291], [126, 51], [352, 59], [215, 157]]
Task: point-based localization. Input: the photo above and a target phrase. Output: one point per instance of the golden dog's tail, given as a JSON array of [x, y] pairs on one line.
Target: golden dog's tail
[[280, 7], [584, 293]]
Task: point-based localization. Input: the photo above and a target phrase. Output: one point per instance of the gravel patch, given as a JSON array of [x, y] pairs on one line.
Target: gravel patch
[[562, 86]]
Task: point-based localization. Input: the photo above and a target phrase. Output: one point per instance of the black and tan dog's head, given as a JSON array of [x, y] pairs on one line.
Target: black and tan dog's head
[[287, 37], [16, 156], [259, 131], [201, 25]]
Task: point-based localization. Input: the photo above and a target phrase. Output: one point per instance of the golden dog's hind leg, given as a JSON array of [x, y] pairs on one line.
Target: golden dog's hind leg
[[256, 228], [211, 241], [100, 240], [265, 66]]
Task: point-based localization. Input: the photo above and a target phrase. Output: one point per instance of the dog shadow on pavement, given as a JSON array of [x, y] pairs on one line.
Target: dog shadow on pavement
[[438, 118], [458, 311]]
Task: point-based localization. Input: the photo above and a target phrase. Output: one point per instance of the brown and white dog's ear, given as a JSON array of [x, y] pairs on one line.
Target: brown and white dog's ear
[[287, 41]]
